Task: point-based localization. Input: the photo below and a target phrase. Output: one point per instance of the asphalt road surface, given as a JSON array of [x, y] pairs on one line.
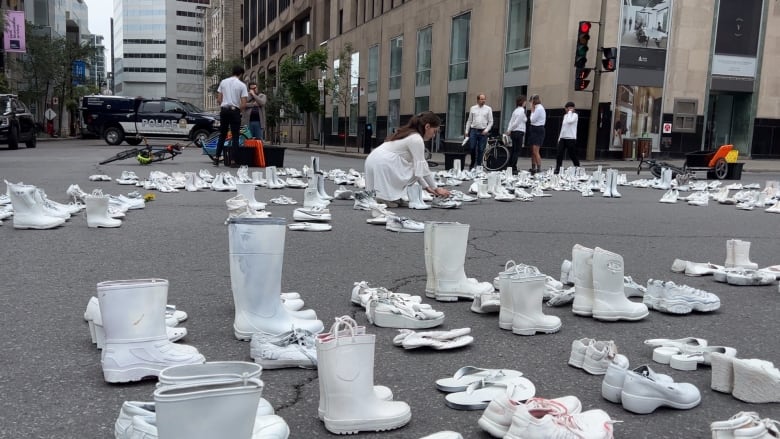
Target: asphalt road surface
[[50, 375]]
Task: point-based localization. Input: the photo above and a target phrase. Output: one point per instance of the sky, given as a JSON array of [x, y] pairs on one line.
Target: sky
[[100, 12]]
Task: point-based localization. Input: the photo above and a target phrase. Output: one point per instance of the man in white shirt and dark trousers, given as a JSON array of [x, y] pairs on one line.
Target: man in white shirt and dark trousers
[[568, 138], [478, 125], [231, 97]]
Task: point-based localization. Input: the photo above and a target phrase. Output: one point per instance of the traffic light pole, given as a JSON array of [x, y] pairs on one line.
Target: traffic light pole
[[590, 152]]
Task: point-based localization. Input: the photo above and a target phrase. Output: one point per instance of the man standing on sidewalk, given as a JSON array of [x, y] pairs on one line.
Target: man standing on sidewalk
[[231, 97], [478, 126]]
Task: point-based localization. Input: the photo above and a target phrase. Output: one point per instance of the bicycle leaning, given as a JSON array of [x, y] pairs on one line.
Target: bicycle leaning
[[496, 156]]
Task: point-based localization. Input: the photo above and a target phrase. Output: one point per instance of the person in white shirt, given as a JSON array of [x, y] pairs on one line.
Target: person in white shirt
[[400, 161], [478, 125], [536, 132], [516, 131], [567, 140], [231, 97]]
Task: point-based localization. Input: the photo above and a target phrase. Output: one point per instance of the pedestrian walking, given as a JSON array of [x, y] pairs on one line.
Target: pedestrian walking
[[516, 131], [567, 140]]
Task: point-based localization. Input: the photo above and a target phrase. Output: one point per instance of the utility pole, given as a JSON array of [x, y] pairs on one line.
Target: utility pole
[[113, 76], [590, 152]]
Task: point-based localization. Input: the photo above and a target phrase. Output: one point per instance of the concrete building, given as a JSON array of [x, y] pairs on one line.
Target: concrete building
[[158, 48], [690, 75], [97, 65], [224, 27]]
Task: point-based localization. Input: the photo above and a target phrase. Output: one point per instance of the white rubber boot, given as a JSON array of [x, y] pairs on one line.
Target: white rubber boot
[[582, 267], [311, 198], [482, 190], [315, 164], [457, 166], [741, 250], [137, 345], [729, 253], [256, 258], [346, 374], [492, 181], [430, 273], [272, 180], [414, 192], [189, 183], [506, 312], [321, 187], [449, 256], [248, 191], [526, 287], [615, 193], [223, 371], [608, 185], [97, 212], [29, 214], [609, 299], [208, 410]]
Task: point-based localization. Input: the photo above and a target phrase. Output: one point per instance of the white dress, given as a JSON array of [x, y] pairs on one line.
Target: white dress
[[396, 164]]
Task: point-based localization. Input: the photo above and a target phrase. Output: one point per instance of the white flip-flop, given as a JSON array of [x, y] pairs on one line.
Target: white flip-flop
[[467, 375], [478, 395], [433, 340], [692, 342], [310, 227]]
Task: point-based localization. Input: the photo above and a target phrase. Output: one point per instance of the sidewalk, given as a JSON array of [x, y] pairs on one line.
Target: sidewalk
[[750, 165]]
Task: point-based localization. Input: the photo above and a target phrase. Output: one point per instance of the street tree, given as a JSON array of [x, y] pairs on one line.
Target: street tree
[[299, 75], [341, 86], [219, 69]]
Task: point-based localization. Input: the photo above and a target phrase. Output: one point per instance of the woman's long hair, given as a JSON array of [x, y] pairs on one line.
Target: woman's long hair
[[417, 125]]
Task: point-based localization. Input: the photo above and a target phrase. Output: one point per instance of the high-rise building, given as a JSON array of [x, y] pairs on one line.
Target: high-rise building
[[158, 48]]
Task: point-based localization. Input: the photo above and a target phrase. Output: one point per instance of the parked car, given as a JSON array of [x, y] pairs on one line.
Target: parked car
[[16, 123]]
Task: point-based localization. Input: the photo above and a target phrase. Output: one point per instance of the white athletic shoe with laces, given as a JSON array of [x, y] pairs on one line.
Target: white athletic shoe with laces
[[290, 349]]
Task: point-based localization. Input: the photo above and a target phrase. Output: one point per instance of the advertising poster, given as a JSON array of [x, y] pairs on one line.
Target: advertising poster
[[14, 32]]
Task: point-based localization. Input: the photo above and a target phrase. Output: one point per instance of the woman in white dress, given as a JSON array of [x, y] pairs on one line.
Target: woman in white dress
[[400, 161]]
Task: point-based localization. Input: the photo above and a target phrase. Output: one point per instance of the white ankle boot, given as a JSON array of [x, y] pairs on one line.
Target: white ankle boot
[[97, 212], [272, 180], [506, 312], [614, 185], [450, 241], [137, 345], [582, 268], [321, 187], [346, 374], [28, 213], [526, 287], [482, 190], [256, 258], [208, 410], [609, 299], [738, 254], [248, 191], [311, 198], [608, 186], [414, 192]]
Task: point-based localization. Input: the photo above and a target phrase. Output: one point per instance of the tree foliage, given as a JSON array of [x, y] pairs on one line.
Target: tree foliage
[[341, 86], [219, 69], [299, 78]]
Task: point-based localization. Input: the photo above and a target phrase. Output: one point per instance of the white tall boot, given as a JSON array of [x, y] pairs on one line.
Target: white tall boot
[[272, 180], [315, 164], [457, 166], [257, 178], [29, 214], [137, 345], [430, 273], [414, 192], [527, 287], [506, 312], [741, 251], [248, 191], [582, 267], [321, 187], [311, 198], [346, 373], [609, 299], [450, 242], [482, 189], [256, 258], [189, 183], [492, 181], [615, 178], [97, 212], [608, 186], [208, 410], [729, 253], [595, 179], [267, 425]]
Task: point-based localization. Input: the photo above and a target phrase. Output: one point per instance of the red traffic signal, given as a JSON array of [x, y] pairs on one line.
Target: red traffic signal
[[581, 45], [585, 26]]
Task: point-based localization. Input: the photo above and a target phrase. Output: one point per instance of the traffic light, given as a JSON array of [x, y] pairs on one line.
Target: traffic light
[[581, 81], [609, 62], [581, 51]]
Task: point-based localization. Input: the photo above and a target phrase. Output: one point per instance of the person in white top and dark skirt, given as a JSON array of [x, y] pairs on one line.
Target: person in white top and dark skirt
[[478, 125], [567, 140], [516, 131], [536, 132]]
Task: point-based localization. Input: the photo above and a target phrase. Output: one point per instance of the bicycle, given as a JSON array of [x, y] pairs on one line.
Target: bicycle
[[496, 156], [149, 154]]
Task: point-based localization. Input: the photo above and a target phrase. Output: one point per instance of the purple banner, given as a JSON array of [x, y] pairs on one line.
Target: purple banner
[[14, 32]]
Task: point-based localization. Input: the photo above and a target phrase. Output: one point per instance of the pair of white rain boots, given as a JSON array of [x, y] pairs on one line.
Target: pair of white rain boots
[[598, 286], [445, 245], [610, 188], [522, 289], [33, 210]]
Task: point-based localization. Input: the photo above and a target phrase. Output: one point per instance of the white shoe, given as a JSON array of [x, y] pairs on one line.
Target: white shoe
[[678, 299], [403, 224], [311, 214], [670, 196], [643, 392]]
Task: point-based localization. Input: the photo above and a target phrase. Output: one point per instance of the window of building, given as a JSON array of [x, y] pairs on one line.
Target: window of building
[[283, 4], [371, 116], [393, 115], [261, 16], [373, 68], [286, 37], [396, 52], [273, 45], [271, 10], [685, 115], [421, 103], [353, 117], [456, 115], [424, 42], [518, 36], [459, 47]]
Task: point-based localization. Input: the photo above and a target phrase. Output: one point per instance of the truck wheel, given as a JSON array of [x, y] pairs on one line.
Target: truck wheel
[[13, 137], [114, 135], [200, 136]]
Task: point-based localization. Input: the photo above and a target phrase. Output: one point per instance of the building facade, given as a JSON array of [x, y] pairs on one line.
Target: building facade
[[224, 22], [690, 75], [159, 48]]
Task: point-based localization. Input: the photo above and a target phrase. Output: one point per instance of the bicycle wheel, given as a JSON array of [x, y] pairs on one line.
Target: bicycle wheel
[[496, 158], [121, 156]]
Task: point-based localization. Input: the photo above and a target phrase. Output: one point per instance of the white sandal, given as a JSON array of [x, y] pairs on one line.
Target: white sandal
[[394, 312], [439, 340], [478, 395], [468, 375]]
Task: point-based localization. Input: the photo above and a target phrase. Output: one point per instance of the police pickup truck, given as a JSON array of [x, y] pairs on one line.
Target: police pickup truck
[[119, 118]]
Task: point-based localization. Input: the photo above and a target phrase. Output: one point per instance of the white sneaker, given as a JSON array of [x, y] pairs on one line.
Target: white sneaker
[[670, 196], [499, 414], [544, 424], [291, 349], [643, 392], [403, 224], [678, 299], [598, 356], [311, 214], [633, 289], [445, 203]]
